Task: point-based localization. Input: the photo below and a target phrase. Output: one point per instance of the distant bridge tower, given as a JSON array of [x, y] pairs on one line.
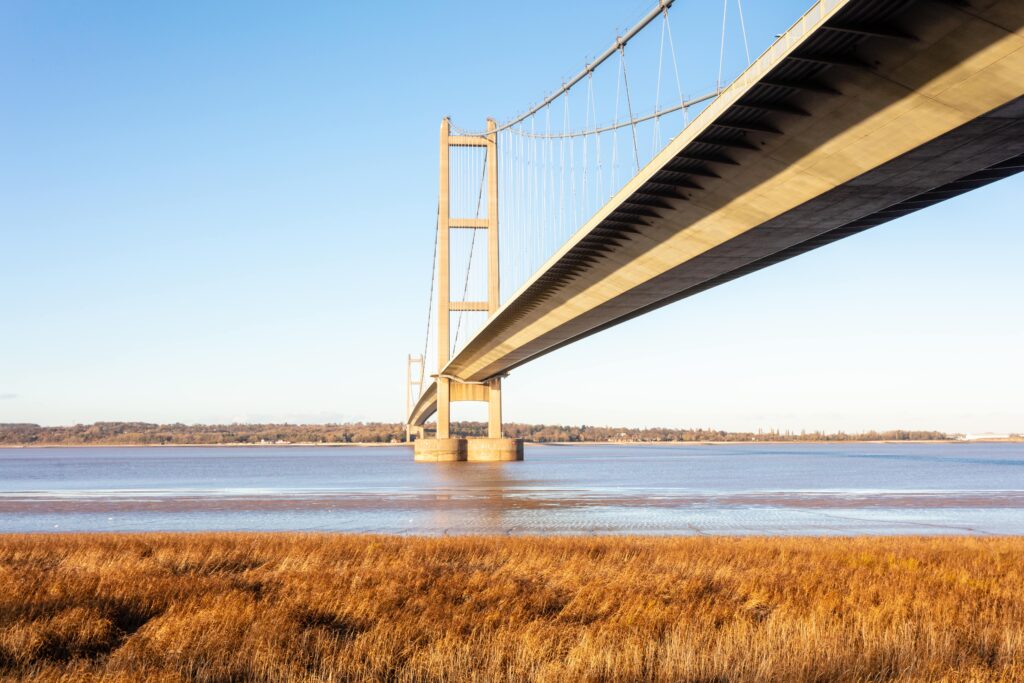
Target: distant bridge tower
[[445, 447], [414, 371]]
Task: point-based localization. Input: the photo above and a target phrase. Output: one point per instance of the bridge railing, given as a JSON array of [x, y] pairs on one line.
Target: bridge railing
[[771, 57]]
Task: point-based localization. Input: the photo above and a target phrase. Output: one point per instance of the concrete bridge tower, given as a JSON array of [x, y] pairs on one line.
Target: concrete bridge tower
[[444, 446]]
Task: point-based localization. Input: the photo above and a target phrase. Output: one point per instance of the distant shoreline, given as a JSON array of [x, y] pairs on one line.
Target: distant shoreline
[[380, 434], [783, 441], [373, 444], [370, 444]]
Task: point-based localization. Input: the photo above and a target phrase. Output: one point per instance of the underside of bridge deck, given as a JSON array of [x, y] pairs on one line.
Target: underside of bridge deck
[[885, 108]]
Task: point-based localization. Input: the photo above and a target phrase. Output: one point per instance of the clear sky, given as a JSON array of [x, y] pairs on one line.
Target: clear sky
[[224, 211]]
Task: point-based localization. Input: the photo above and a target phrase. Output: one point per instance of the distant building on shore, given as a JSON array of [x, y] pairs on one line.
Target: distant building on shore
[[985, 436]]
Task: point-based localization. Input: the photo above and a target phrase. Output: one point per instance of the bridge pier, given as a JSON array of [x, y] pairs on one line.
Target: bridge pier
[[439, 450], [456, 449], [494, 450]]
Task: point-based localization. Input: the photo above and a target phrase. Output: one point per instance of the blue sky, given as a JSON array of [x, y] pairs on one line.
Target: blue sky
[[224, 211]]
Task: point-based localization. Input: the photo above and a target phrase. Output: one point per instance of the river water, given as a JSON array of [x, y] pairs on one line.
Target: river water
[[649, 489]]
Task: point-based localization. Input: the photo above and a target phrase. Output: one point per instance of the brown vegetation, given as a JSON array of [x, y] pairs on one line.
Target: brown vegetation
[[219, 607], [144, 433]]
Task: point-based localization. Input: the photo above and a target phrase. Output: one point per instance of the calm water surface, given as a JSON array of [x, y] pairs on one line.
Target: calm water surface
[[722, 489]]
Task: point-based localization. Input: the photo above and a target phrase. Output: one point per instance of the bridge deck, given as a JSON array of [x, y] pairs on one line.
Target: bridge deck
[[864, 111]]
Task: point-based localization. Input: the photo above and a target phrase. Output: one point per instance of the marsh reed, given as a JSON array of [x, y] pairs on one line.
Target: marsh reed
[[290, 607]]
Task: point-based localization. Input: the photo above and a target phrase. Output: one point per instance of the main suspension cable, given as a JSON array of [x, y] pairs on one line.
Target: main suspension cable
[[589, 68], [521, 132]]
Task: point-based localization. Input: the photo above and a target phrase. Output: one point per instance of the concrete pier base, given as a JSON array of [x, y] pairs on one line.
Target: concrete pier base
[[439, 450], [472, 450], [494, 450]]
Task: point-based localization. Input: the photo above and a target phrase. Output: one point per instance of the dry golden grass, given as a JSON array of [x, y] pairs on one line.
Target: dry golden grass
[[266, 607]]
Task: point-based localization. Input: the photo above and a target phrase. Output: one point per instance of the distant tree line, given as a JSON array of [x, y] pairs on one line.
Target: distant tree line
[[145, 433], [562, 433]]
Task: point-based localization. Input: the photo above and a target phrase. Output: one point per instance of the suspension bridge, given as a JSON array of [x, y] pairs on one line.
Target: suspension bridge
[[588, 210]]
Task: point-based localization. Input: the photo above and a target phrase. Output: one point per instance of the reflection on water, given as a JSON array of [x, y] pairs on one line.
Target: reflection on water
[[485, 486], [721, 489]]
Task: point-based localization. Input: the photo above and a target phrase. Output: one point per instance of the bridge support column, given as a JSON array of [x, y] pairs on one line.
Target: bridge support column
[[444, 284], [494, 409], [444, 408]]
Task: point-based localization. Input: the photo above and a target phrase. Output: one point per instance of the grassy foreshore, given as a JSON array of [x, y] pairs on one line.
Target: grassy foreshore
[[218, 607]]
